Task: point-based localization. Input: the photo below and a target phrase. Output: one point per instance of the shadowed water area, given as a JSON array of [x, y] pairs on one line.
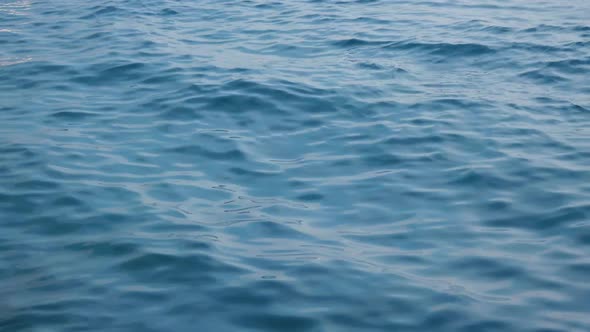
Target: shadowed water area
[[294, 165]]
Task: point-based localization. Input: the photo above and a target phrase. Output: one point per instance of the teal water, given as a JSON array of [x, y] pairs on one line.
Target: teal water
[[294, 165]]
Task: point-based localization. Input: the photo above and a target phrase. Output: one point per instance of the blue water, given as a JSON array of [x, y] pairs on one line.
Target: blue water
[[295, 165]]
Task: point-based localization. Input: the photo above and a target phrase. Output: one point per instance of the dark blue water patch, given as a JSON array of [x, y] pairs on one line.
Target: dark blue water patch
[[443, 49], [574, 66], [99, 11], [354, 42], [543, 77]]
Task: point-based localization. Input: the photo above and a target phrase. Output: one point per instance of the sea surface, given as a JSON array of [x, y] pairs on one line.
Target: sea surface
[[296, 165]]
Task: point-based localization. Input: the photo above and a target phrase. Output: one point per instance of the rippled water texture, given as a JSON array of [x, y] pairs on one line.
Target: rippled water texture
[[205, 165]]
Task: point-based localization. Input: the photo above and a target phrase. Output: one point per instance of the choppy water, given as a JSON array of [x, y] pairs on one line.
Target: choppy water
[[294, 165]]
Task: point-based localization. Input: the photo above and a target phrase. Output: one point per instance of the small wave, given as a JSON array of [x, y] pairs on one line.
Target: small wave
[[12, 62], [99, 11], [443, 49], [355, 42], [195, 150], [543, 76]]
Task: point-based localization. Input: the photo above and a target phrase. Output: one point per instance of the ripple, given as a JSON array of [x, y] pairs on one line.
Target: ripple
[[443, 49]]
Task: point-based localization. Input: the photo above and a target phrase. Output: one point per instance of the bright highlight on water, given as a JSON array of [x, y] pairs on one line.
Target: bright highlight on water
[[294, 165]]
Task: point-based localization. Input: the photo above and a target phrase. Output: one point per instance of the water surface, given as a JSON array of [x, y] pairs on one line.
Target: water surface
[[294, 165]]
